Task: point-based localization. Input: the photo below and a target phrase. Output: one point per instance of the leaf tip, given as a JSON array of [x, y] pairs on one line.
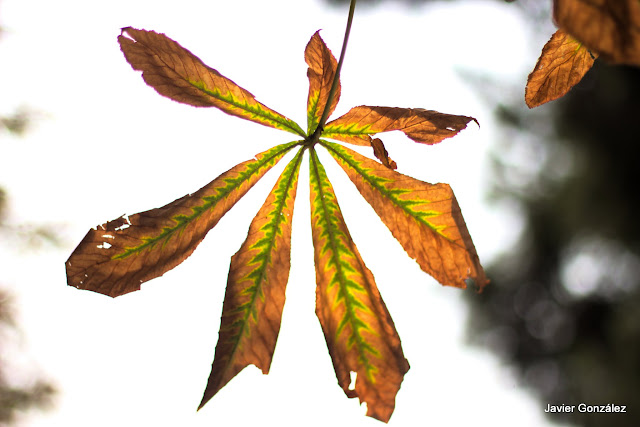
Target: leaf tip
[[125, 32]]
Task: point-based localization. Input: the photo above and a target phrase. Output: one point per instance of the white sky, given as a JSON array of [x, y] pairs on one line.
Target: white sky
[[106, 144]]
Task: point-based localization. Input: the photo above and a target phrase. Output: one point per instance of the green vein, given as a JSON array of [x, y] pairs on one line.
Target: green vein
[[256, 112], [351, 129], [329, 222], [312, 111], [270, 158], [265, 245], [338, 152]]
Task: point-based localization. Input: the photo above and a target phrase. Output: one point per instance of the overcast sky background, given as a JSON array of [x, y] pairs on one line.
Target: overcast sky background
[[105, 144]]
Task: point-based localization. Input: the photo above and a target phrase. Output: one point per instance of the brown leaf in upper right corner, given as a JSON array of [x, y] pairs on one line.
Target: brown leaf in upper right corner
[[609, 27], [562, 64]]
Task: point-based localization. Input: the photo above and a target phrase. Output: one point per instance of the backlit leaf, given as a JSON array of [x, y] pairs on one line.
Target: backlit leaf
[[357, 326], [322, 69], [178, 74], [425, 218], [116, 257], [256, 286], [424, 126], [562, 64], [608, 27]]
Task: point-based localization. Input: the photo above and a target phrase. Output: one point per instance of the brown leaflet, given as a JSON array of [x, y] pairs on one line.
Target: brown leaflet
[[425, 218], [176, 73], [381, 154], [424, 126], [562, 64], [609, 27], [116, 257], [256, 285], [322, 69], [357, 326]]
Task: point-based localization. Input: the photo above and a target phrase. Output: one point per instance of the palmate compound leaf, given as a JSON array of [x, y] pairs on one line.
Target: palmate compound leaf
[[116, 257], [424, 126], [321, 71], [425, 218], [563, 63], [359, 331], [178, 74], [609, 27], [256, 286]]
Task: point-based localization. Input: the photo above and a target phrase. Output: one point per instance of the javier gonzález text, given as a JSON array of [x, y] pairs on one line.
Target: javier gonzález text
[[583, 407]]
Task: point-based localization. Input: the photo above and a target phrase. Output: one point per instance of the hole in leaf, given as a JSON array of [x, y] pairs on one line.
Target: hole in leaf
[[352, 384], [105, 245], [126, 224]]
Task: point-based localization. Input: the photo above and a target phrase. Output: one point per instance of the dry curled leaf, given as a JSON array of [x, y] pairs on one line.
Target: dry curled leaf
[[381, 153], [562, 64]]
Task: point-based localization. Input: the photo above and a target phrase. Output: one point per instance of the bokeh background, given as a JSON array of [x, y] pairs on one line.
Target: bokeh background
[[549, 195]]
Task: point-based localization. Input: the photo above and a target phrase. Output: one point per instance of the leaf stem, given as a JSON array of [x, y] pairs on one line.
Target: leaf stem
[[336, 78]]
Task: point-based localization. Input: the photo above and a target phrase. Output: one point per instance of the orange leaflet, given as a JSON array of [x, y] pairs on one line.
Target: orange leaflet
[[116, 257], [360, 334], [424, 126], [425, 218], [322, 69], [178, 74], [256, 286], [562, 64]]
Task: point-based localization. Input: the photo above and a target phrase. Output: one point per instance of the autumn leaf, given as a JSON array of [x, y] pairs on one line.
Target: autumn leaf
[[424, 126], [357, 326], [178, 74], [562, 64], [256, 286], [425, 218], [609, 27], [116, 257]]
